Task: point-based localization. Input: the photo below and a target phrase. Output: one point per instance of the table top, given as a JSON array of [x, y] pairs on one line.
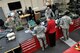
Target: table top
[[9, 45], [24, 16]]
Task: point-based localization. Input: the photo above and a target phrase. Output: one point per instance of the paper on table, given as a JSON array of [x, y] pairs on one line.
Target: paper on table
[[29, 31]]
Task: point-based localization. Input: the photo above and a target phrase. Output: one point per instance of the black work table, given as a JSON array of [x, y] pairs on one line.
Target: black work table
[[20, 37]]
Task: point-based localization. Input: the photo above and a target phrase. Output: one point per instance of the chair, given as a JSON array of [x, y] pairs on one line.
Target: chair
[[31, 23]]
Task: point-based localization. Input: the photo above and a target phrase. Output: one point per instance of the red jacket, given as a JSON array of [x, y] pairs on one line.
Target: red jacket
[[51, 26]]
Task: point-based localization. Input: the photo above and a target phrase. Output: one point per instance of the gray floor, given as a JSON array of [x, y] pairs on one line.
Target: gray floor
[[61, 46]]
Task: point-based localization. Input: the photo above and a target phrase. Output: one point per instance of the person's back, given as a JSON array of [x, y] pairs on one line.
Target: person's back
[[30, 11], [40, 31], [51, 26], [65, 22]]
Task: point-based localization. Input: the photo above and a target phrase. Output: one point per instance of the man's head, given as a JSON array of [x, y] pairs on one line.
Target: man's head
[[48, 8], [30, 8]]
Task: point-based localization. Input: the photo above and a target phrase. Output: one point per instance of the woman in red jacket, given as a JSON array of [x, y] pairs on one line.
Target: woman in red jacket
[[51, 32]]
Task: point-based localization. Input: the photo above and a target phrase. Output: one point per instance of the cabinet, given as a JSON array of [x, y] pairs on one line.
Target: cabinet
[[14, 50], [30, 45]]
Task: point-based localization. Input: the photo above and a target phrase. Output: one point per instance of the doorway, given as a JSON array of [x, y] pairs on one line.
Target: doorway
[[2, 16]]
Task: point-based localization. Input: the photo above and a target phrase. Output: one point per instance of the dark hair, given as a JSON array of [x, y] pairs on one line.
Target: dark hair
[[9, 16], [38, 22], [30, 8], [66, 13], [50, 18], [49, 6]]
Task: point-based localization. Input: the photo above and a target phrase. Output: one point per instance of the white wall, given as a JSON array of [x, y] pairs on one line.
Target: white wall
[[60, 1], [25, 3], [4, 5]]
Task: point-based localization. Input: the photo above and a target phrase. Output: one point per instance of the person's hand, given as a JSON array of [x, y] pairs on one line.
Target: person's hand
[[55, 26], [47, 19], [59, 27], [56, 21], [71, 23]]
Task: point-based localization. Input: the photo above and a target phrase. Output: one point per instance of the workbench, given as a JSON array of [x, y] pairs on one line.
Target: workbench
[[14, 44]]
